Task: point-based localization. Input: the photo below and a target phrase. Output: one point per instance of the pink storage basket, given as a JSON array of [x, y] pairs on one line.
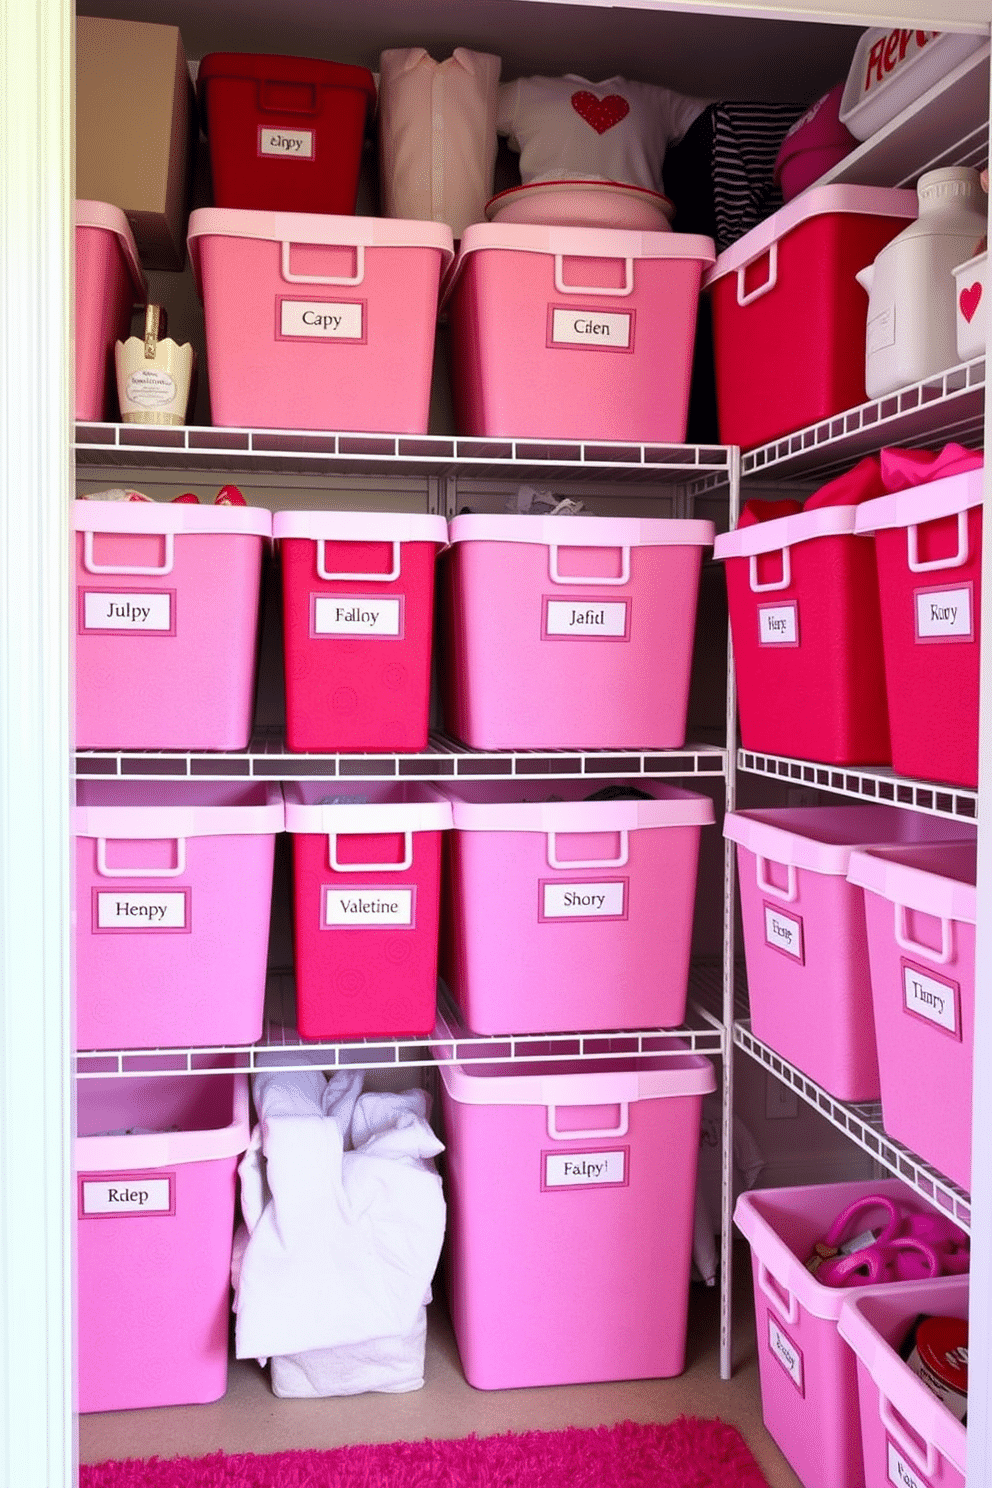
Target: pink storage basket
[[804, 614], [167, 601], [928, 544], [574, 332], [173, 896], [317, 322], [109, 283], [809, 1386], [156, 1165], [805, 939], [920, 909], [366, 906], [571, 1191], [553, 630], [908, 1434], [595, 897], [358, 616]]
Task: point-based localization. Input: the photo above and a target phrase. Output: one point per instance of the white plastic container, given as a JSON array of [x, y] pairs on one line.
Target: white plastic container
[[892, 68], [969, 306]]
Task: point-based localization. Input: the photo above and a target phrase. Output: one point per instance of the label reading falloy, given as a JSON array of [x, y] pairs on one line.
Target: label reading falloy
[[321, 320], [355, 616], [106, 610], [290, 144], [582, 1169]]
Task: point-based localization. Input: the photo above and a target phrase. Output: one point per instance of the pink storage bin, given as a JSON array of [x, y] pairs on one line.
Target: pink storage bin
[[805, 939], [928, 545], [809, 1385], [358, 617], [571, 1191], [908, 1434], [804, 613], [156, 1165], [366, 906], [173, 896], [814, 144], [109, 283], [552, 627], [574, 332], [595, 897], [920, 908], [318, 322], [167, 600]]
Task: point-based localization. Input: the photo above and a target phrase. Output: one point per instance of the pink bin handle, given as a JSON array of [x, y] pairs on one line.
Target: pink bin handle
[[762, 289], [336, 867], [128, 568], [569, 863], [789, 893], [602, 1131], [107, 872], [363, 578], [782, 583], [557, 578], [906, 942], [345, 279], [925, 1461], [593, 289], [913, 549], [783, 1301]]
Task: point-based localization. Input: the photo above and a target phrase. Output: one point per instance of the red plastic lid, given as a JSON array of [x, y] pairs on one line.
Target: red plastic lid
[[276, 69], [942, 1344]]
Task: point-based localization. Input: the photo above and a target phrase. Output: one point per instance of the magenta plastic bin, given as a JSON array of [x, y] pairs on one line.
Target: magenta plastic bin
[[571, 1192], [173, 898], [809, 1387], [574, 332], [109, 283], [167, 613], [920, 909], [156, 1165], [596, 899], [570, 632], [318, 322], [909, 1436], [805, 939]]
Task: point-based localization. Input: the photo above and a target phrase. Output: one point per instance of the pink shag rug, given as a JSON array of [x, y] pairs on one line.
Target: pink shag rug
[[687, 1453]]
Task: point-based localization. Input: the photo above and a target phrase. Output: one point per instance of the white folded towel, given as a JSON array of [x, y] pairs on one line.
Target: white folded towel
[[390, 1366]]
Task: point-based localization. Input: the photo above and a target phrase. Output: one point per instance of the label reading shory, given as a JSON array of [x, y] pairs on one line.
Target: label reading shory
[[778, 625], [293, 144], [109, 611], [367, 907], [606, 328], [579, 1169], [321, 319], [128, 910], [944, 612], [572, 617], [931, 999], [900, 1472], [563, 901], [784, 932], [141, 1195], [355, 616], [786, 1353]]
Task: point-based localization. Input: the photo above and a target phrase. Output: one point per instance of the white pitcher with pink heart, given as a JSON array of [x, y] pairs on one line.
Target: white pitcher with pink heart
[[969, 306]]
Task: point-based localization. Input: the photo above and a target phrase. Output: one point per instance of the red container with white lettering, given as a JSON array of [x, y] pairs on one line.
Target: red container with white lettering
[[804, 615], [892, 67], [366, 906], [928, 545], [173, 884], [358, 616]]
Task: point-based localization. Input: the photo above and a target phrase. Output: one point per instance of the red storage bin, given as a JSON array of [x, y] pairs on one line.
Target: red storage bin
[[366, 906], [109, 283], [285, 132], [358, 596], [789, 316]]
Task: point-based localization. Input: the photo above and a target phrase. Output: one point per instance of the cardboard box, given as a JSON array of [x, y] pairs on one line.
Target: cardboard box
[[134, 130]]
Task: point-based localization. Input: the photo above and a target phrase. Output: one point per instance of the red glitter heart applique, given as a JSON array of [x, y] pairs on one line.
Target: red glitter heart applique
[[968, 300], [600, 113]]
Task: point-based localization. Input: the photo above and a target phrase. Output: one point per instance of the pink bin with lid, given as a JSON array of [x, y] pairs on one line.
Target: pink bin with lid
[[156, 1170], [173, 896], [805, 938], [109, 283], [595, 896], [366, 906], [928, 544], [571, 1191], [318, 322], [167, 609], [574, 332], [909, 1436], [569, 632], [358, 619], [920, 908]]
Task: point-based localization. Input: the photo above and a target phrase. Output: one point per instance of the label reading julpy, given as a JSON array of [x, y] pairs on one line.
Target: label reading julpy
[[105, 610]]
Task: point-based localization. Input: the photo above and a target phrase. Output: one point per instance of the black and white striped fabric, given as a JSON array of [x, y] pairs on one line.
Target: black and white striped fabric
[[746, 140]]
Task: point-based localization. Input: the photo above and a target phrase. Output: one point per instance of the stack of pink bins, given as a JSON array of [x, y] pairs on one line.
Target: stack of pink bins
[[109, 283]]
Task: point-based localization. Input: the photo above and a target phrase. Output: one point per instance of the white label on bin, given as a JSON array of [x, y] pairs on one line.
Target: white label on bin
[[927, 997], [363, 908], [900, 1471], [602, 328], [128, 910], [356, 616], [582, 1169], [137, 1195], [778, 625], [783, 932], [291, 144], [322, 319], [570, 901], [881, 330], [785, 1351], [103, 610], [574, 617], [944, 614]]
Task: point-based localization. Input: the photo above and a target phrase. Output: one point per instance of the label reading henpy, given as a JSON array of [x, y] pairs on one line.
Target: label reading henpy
[[900, 1471], [368, 908], [356, 616], [572, 901], [322, 320], [581, 1169], [608, 329], [944, 614], [600, 617], [138, 612], [786, 1353], [140, 1195], [290, 144], [140, 911], [783, 932], [778, 625], [928, 998]]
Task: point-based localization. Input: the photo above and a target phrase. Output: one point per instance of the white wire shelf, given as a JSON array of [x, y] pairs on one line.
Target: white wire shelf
[[863, 1125], [866, 784]]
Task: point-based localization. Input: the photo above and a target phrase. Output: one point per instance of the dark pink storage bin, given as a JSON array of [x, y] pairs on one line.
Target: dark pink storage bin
[[109, 283]]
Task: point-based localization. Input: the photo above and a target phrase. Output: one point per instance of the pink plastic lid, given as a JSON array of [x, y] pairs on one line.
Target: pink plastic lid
[[786, 532], [581, 531], [923, 503], [936, 878], [111, 219], [822, 838], [514, 807], [164, 809], [357, 526], [818, 129], [169, 516], [104, 1109], [333, 807]]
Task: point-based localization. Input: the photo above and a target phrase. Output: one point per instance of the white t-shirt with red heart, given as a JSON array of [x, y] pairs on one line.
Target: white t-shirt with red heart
[[569, 129]]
